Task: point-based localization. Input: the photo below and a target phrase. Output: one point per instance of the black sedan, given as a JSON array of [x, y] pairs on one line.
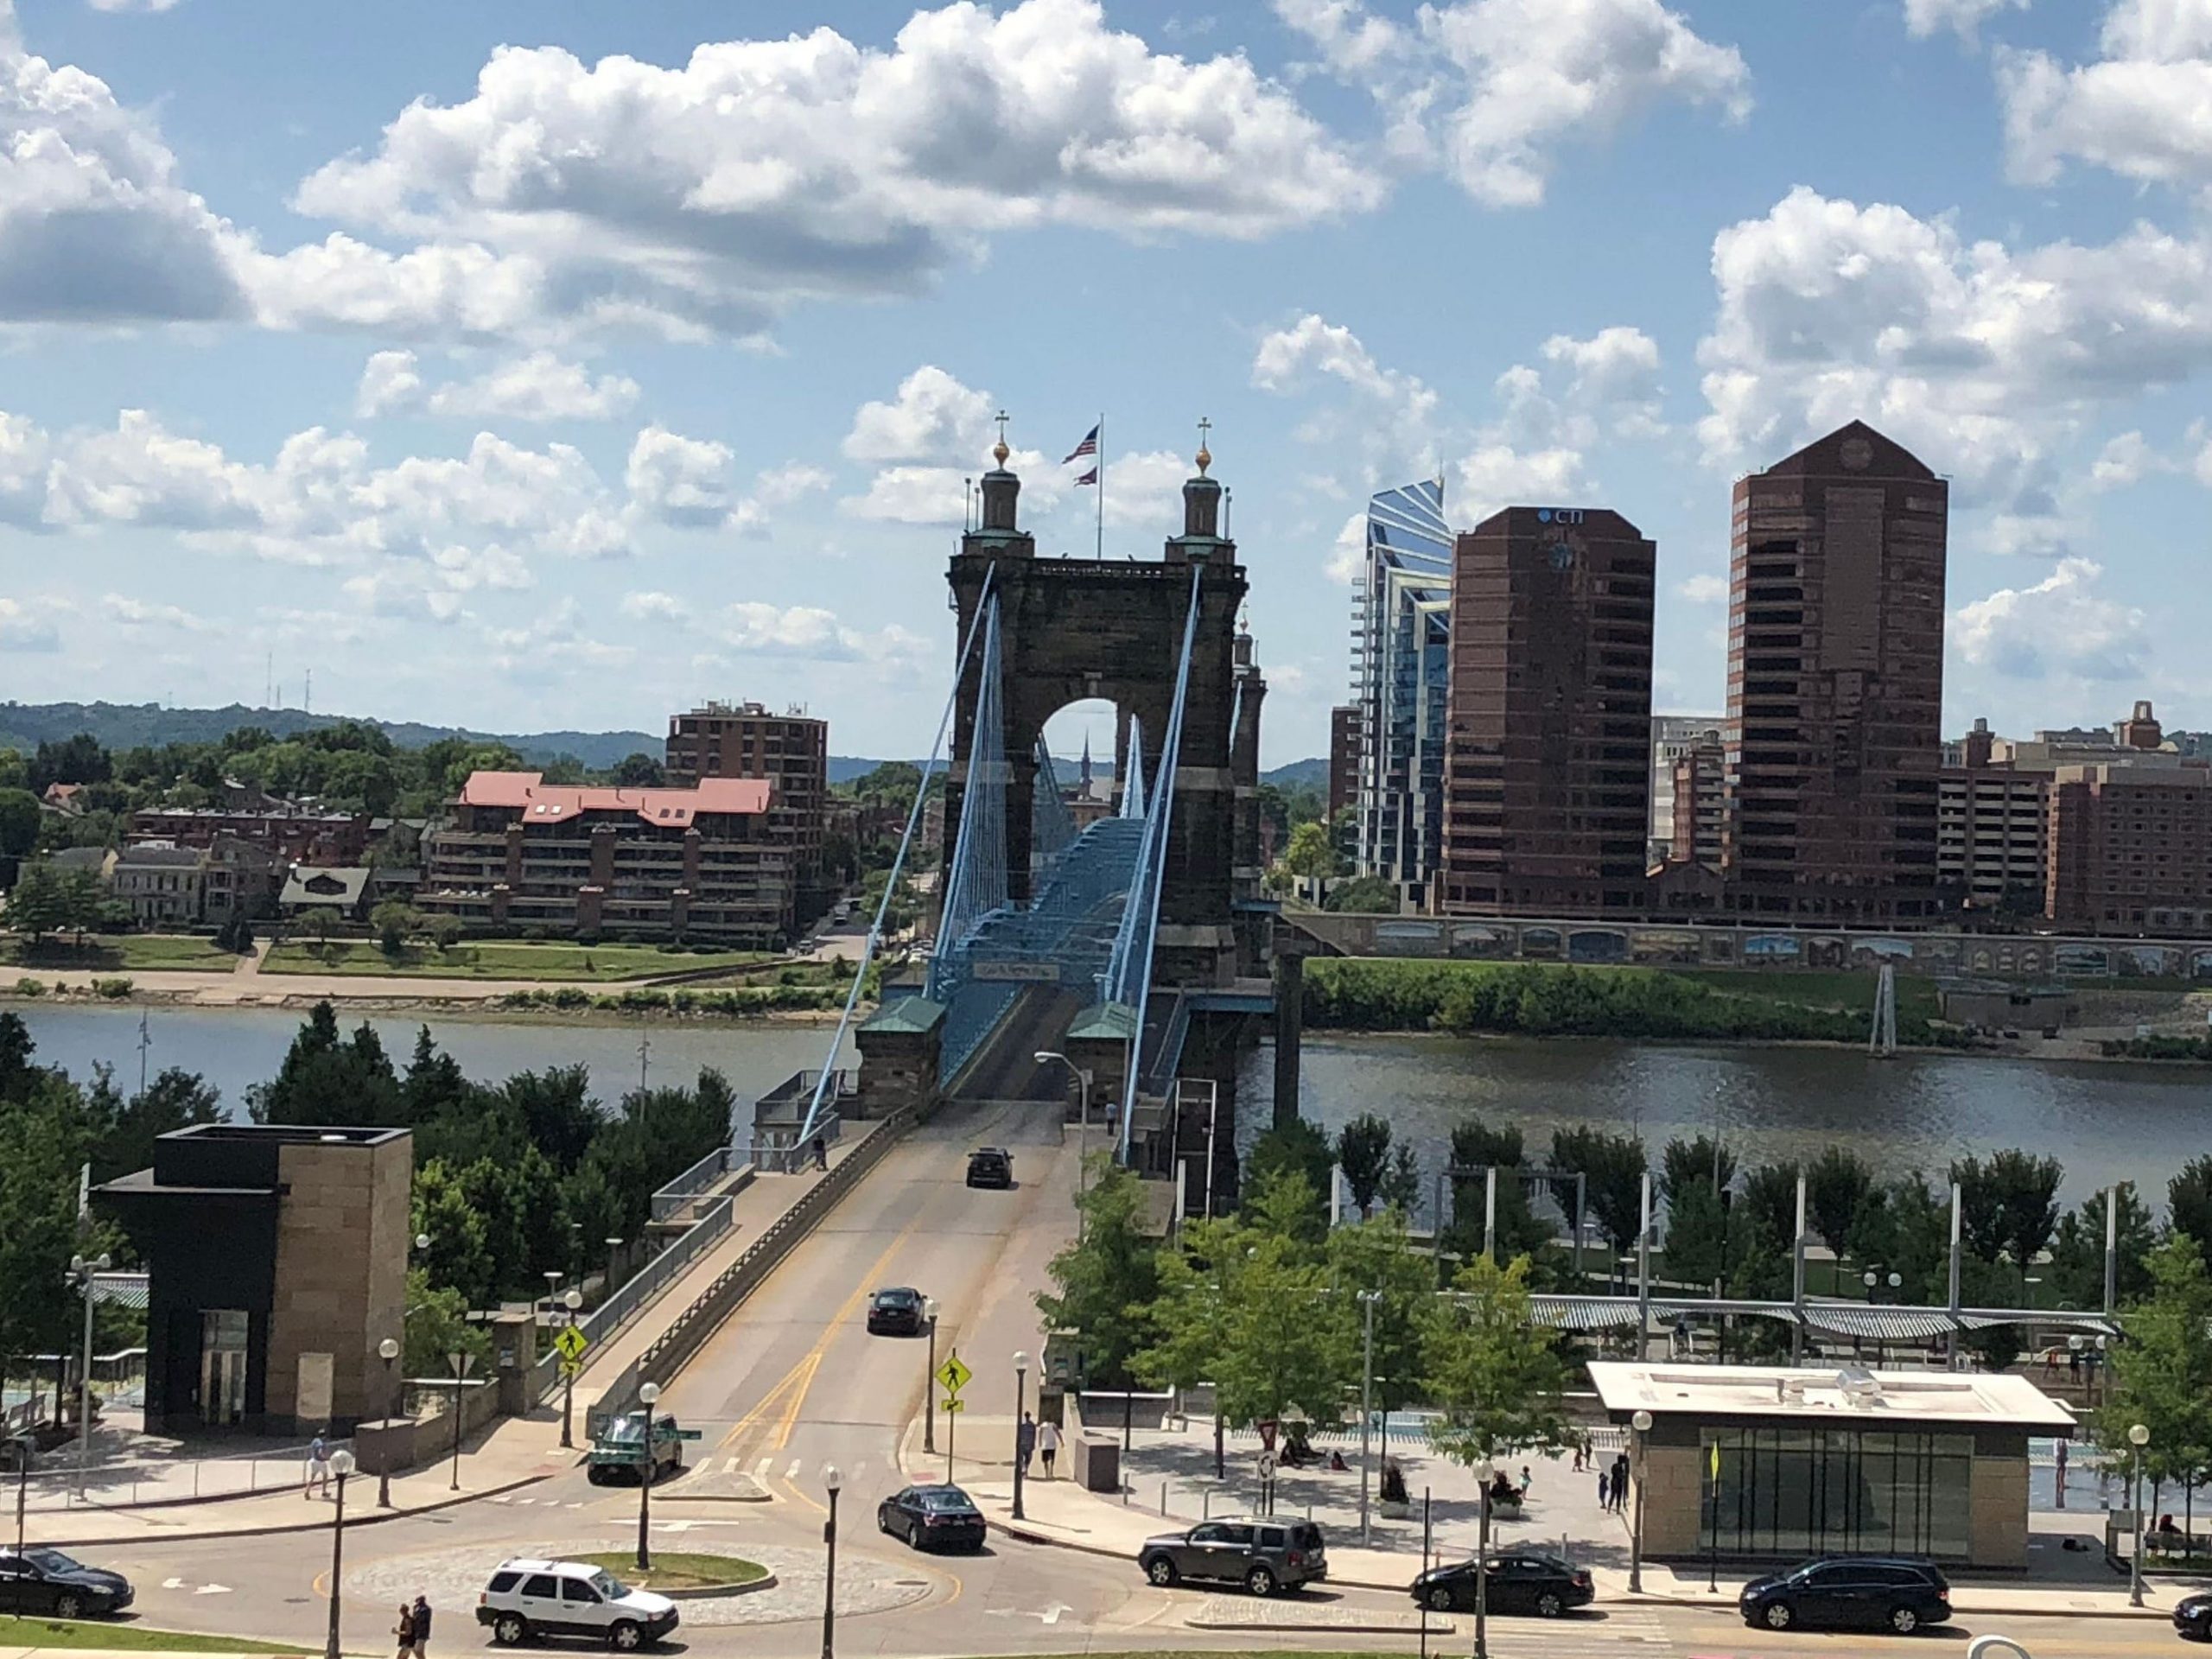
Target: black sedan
[[2193, 1618], [39, 1580], [895, 1313], [932, 1518], [1520, 1581]]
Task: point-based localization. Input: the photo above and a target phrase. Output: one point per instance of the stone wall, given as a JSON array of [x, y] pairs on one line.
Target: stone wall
[[340, 1281], [1997, 1528]]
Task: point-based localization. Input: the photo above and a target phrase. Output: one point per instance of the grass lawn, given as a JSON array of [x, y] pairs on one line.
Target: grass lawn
[[675, 1569], [173, 952], [123, 1637], [1814, 988], [498, 959]]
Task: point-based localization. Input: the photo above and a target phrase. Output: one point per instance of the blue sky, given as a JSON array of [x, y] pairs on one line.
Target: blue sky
[[557, 364]]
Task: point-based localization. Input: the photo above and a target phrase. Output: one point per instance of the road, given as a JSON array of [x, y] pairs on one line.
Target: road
[[793, 1382]]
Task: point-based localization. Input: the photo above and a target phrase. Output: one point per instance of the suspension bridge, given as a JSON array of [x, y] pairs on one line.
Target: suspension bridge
[[1140, 943]]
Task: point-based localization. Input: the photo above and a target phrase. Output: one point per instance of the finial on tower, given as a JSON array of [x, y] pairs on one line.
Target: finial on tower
[[1205, 455], [999, 451]]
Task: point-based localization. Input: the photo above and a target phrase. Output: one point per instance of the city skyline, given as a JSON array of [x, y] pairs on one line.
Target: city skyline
[[378, 381]]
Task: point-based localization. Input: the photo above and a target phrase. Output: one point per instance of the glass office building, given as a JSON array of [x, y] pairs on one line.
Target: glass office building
[[1402, 620]]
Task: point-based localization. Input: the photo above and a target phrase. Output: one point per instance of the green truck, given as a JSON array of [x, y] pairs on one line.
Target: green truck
[[620, 1451]]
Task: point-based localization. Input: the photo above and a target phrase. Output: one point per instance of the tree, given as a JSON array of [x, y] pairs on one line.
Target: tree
[[459, 1256], [2077, 1251], [236, 934], [443, 932], [1363, 1154], [78, 760], [2162, 1374], [1613, 1167], [1365, 895], [1697, 1162], [1697, 1234], [19, 822], [172, 1099], [1401, 1189], [1187, 1322], [1495, 1374], [43, 1139], [2009, 1205], [1379, 1259], [1104, 1282], [1836, 1183], [40, 902], [437, 1325], [1280, 1350], [638, 770], [393, 920], [1477, 1149], [2188, 1201], [1310, 856], [321, 924], [1293, 1145]]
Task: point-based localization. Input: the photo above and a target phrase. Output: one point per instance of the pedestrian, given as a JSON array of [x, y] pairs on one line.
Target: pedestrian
[[1527, 1480], [2061, 1474], [404, 1631], [821, 1153], [1605, 1489], [318, 1467], [421, 1620], [1620, 1481], [1578, 1456], [1048, 1444], [1024, 1440]]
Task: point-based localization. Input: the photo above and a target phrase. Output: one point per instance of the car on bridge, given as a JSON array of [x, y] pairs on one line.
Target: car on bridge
[[896, 1312], [1850, 1593], [1264, 1555], [40, 1580], [932, 1518], [990, 1166], [1518, 1581], [620, 1449]]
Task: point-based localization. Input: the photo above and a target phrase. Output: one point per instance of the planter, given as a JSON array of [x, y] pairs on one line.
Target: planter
[[1397, 1511]]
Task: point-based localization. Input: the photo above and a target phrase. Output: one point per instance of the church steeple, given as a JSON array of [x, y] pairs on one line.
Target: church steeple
[[1083, 777], [999, 530]]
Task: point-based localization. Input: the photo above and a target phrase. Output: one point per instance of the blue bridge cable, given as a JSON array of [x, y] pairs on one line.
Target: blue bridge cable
[[1133, 791], [1162, 814], [898, 863], [1051, 825], [975, 878]]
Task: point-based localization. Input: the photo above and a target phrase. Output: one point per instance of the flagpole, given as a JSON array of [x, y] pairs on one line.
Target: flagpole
[[1101, 459]]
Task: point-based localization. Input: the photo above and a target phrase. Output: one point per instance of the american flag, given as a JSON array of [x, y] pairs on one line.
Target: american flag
[[1088, 446], [1090, 477]]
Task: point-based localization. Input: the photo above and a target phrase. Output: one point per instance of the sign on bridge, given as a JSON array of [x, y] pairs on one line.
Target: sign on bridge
[[1027, 973]]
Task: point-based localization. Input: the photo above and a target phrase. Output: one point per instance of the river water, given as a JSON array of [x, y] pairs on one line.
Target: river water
[[2105, 1122]]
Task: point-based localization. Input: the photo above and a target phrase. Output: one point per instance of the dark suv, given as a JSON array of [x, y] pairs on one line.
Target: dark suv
[[1264, 1556], [1850, 1593], [990, 1166]]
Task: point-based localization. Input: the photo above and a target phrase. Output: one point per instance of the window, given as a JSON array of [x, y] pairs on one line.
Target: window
[[1798, 1491], [503, 1582], [1237, 1537], [576, 1590], [540, 1584], [1208, 1534]]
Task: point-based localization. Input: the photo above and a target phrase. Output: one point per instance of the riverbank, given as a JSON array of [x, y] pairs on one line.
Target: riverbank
[[519, 1005]]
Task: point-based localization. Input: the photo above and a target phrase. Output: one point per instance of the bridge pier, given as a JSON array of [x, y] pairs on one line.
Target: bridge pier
[[1290, 1032]]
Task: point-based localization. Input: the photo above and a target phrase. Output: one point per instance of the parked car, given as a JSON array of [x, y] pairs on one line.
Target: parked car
[[1850, 1593], [619, 1451], [932, 1518], [896, 1312], [1264, 1556], [40, 1580], [528, 1599], [1520, 1581], [2193, 1618], [990, 1166]]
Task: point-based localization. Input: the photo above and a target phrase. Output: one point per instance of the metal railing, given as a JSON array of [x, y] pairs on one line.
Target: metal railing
[[679, 1192], [145, 1482], [715, 1218]]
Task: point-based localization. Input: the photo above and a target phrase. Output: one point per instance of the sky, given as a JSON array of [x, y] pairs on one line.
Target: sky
[[554, 365]]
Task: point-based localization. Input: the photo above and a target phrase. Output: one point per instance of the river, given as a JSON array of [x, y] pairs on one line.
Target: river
[[2105, 1122]]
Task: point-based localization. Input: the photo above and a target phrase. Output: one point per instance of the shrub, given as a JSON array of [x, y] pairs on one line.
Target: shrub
[[113, 989], [569, 996], [30, 987]]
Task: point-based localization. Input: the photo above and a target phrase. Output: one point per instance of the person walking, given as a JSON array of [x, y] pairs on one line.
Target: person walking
[[1048, 1445], [1620, 1482], [821, 1153], [419, 1616], [1024, 1440], [403, 1632], [318, 1467], [1605, 1489]]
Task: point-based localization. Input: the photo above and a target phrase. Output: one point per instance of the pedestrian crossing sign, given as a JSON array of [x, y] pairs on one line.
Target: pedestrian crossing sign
[[570, 1343], [953, 1375]]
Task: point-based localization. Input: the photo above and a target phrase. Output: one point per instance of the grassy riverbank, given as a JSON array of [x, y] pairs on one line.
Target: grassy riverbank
[[164, 952], [1681, 1005], [499, 959]]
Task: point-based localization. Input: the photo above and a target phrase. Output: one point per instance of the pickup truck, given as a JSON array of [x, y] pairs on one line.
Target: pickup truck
[[619, 1450]]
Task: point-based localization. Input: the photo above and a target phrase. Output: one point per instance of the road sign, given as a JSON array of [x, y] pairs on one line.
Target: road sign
[[570, 1367], [953, 1375], [571, 1343], [954, 1406], [689, 1434], [1267, 1466]]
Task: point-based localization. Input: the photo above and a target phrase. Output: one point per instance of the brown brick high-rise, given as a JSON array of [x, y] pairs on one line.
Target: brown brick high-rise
[[1836, 684], [1547, 760]]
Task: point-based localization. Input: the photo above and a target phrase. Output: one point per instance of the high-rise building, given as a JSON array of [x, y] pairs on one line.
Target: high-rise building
[[1835, 680], [1674, 736], [1697, 802], [1343, 757], [1401, 668], [792, 750], [1548, 763]]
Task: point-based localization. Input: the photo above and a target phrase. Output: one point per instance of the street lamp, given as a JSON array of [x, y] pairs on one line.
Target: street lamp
[[82, 1271], [613, 1245], [1641, 1423], [2138, 1438], [929, 1382], [647, 1394], [569, 1303], [421, 1241], [1020, 1394], [1081, 1076], [1367, 1300], [831, 1480], [342, 1465], [388, 1351]]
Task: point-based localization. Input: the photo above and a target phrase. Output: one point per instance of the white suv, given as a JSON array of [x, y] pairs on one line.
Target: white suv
[[528, 1599]]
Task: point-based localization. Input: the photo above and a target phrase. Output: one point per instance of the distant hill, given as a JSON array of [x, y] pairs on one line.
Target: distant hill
[[123, 726], [1299, 774]]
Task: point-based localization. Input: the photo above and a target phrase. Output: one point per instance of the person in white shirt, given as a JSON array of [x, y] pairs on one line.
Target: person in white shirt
[[1048, 1445]]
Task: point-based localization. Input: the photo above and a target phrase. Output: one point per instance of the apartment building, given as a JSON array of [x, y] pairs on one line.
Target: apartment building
[[792, 750], [2131, 849], [1400, 660], [293, 834], [1674, 736], [1697, 802], [704, 863]]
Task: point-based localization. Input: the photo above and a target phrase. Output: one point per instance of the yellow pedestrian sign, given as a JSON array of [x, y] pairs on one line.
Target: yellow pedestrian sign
[[570, 1343], [953, 1375]]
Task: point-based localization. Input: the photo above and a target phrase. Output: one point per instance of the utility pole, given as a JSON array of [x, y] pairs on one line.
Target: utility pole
[[1367, 1300], [145, 1042]]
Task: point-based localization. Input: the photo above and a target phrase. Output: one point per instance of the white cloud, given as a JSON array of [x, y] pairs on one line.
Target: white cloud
[[1616, 372], [123, 611], [1980, 357], [1962, 18], [778, 487], [132, 5], [2138, 111], [24, 451], [1348, 554], [653, 607], [2127, 460], [390, 381], [1705, 590], [540, 387], [686, 482], [2062, 628], [1145, 489], [28, 624], [1396, 413], [552, 647], [1496, 475], [933, 417], [914, 495]]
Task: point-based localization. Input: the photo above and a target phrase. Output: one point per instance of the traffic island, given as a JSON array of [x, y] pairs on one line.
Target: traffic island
[[684, 1574]]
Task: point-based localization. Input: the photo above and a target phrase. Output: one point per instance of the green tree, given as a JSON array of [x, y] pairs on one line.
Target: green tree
[[460, 1256], [443, 932], [2077, 1251], [1613, 1167], [1702, 1161], [1186, 1325], [1401, 1188], [43, 1139], [1363, 1154], [1475, 1149], [78, 760], [40, 902], [437, 1325], [1837, 1183], [1495, 1375], [2162, 1374], [19, 822], [1365, 895], [2188, 1201], [1281, 1352], [1379, 1259], [638, 770], [1104, 1281], [2008, 1205], [1310, 856], [1296, 1145], [172, 1099], [393, 920]]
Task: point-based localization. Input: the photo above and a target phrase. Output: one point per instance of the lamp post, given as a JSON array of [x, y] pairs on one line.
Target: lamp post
[[2096, 1370], [831, 1480], [1367, 1300], [1641, 1424], [461, 1363], [929, 1382], [388, 1351], [342, 1465], [569, 1304], [1081, 1076], [647, 1394], [2138, 1438], [613, 1245], [1020, 1394], [82, 1271]]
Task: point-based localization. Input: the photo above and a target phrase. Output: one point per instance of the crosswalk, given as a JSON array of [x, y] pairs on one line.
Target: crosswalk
[[1628, 1631]]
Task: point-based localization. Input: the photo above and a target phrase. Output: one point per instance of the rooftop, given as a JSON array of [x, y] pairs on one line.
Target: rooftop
[[1960, 1398], [540, 801]]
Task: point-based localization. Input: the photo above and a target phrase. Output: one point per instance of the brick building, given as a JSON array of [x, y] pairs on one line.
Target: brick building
[[1343, 757], [1547, 780], [792, 750], [296, 834], [1697, 802], [1991, 828], [1835, 679], [2131, 849], [706, 863]]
